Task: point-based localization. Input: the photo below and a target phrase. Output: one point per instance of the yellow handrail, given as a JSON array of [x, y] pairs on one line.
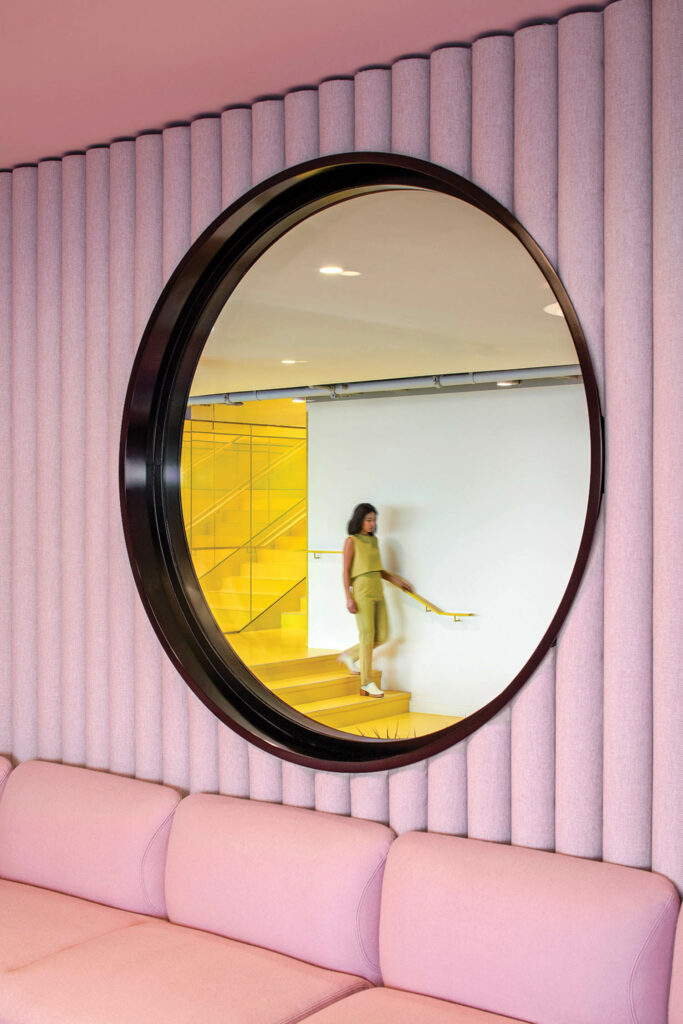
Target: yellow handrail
[[428, 606]]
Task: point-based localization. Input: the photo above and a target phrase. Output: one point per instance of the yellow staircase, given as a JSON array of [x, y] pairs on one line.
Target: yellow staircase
[[327, 692]]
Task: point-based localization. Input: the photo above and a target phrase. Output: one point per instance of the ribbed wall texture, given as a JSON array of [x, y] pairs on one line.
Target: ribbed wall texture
[[556, 122]]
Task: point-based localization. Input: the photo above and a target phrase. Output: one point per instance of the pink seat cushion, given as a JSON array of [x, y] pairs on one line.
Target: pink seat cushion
[[389, 1006], [299, 882], [36, 923], [542, 937], [86, 833], [158, 973]]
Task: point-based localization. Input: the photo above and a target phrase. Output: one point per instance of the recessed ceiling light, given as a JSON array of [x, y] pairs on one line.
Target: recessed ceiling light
[[507, 383], [331, 270], [554, 309], [350, 273], [291, 362], [299, 400]]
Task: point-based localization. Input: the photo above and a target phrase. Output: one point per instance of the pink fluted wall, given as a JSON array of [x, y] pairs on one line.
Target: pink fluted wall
[[587, 759]]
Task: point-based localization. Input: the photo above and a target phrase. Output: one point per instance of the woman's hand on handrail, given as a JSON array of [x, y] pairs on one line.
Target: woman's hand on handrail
[[398, 581]]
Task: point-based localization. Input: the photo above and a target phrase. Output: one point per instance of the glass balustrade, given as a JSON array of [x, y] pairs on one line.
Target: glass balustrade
[[243, 489]]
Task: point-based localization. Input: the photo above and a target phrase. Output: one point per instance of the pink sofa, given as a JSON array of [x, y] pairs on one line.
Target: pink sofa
[[120, 903]]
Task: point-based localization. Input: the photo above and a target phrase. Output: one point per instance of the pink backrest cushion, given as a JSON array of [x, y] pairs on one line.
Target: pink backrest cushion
[[541, 937], [88, 834], [5, 769], [676, 996], [295, 881]]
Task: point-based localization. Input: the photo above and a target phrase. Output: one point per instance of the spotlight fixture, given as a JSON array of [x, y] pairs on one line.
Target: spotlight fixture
[[507, 383], [554, 309], [339, 271]]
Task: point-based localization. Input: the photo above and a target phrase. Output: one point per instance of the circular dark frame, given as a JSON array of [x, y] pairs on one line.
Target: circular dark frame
[[151, 440]]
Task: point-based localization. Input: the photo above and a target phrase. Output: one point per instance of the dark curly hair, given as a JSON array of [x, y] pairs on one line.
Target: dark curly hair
[[355, 523]]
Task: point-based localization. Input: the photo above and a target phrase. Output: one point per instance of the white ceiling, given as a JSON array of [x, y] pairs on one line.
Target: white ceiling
[[443, 288]]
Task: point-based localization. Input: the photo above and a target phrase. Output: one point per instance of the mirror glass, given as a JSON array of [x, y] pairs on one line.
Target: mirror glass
[[400, 349]]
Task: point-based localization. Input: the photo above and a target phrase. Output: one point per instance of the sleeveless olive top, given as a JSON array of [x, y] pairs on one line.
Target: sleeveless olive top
[[366, 557]]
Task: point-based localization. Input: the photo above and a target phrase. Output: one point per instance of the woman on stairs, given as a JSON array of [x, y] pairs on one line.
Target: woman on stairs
[[363, 575]]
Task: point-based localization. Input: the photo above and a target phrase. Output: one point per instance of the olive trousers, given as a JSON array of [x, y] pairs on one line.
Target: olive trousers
[[371, 619]]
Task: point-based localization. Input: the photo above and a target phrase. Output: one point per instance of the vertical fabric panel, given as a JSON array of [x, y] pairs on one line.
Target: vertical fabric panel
[[336, 102], [372, 110], [205, 136], [627, 809], [148, 277], [332, 793], [97, 454], [268, 155], [298, 785], [447, 780], [488, 781], [492, 116], [532, 757], [535, 140], [579, 717], [73, 459], [205, 154], [410, 107], [488, 752], [370, 796], [408, 798], [24, 642], [532, 741], [121, 595], [301, 126], [268, 139], [49, 580], [265, 776], [6, 490], [233, 763], [667, 835], [236, 149], [450, 116], [175, 242]]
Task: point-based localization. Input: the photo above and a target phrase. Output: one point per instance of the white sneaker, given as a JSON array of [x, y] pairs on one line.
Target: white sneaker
[[371, 689], [346, 659]]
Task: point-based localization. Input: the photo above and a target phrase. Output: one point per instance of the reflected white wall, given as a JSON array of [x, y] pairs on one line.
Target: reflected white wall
[[482, 499]]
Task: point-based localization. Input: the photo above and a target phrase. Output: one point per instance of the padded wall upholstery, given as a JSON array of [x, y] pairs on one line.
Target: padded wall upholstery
[[88, 834], [556, 122]]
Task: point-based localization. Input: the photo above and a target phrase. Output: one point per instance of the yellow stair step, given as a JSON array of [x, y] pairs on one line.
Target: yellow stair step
[[307, 691], [318, 666], [294, 620], [340, 711], [400, 727]]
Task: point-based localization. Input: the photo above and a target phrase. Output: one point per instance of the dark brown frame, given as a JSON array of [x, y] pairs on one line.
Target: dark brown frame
[[151, 439]]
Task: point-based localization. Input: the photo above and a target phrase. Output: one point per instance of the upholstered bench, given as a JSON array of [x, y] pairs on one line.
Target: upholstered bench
[[272, 911], [122, 904]]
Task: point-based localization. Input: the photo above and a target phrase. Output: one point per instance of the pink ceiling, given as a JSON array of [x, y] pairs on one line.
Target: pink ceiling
[[75, 73]]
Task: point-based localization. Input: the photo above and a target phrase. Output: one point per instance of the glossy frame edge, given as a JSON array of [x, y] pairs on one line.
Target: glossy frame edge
[[151, 438]]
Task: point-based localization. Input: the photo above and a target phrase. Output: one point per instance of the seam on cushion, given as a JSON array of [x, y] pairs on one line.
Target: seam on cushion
[[641, 953], [74, 945], [150, 901], [322, 1003], [359, 908]]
